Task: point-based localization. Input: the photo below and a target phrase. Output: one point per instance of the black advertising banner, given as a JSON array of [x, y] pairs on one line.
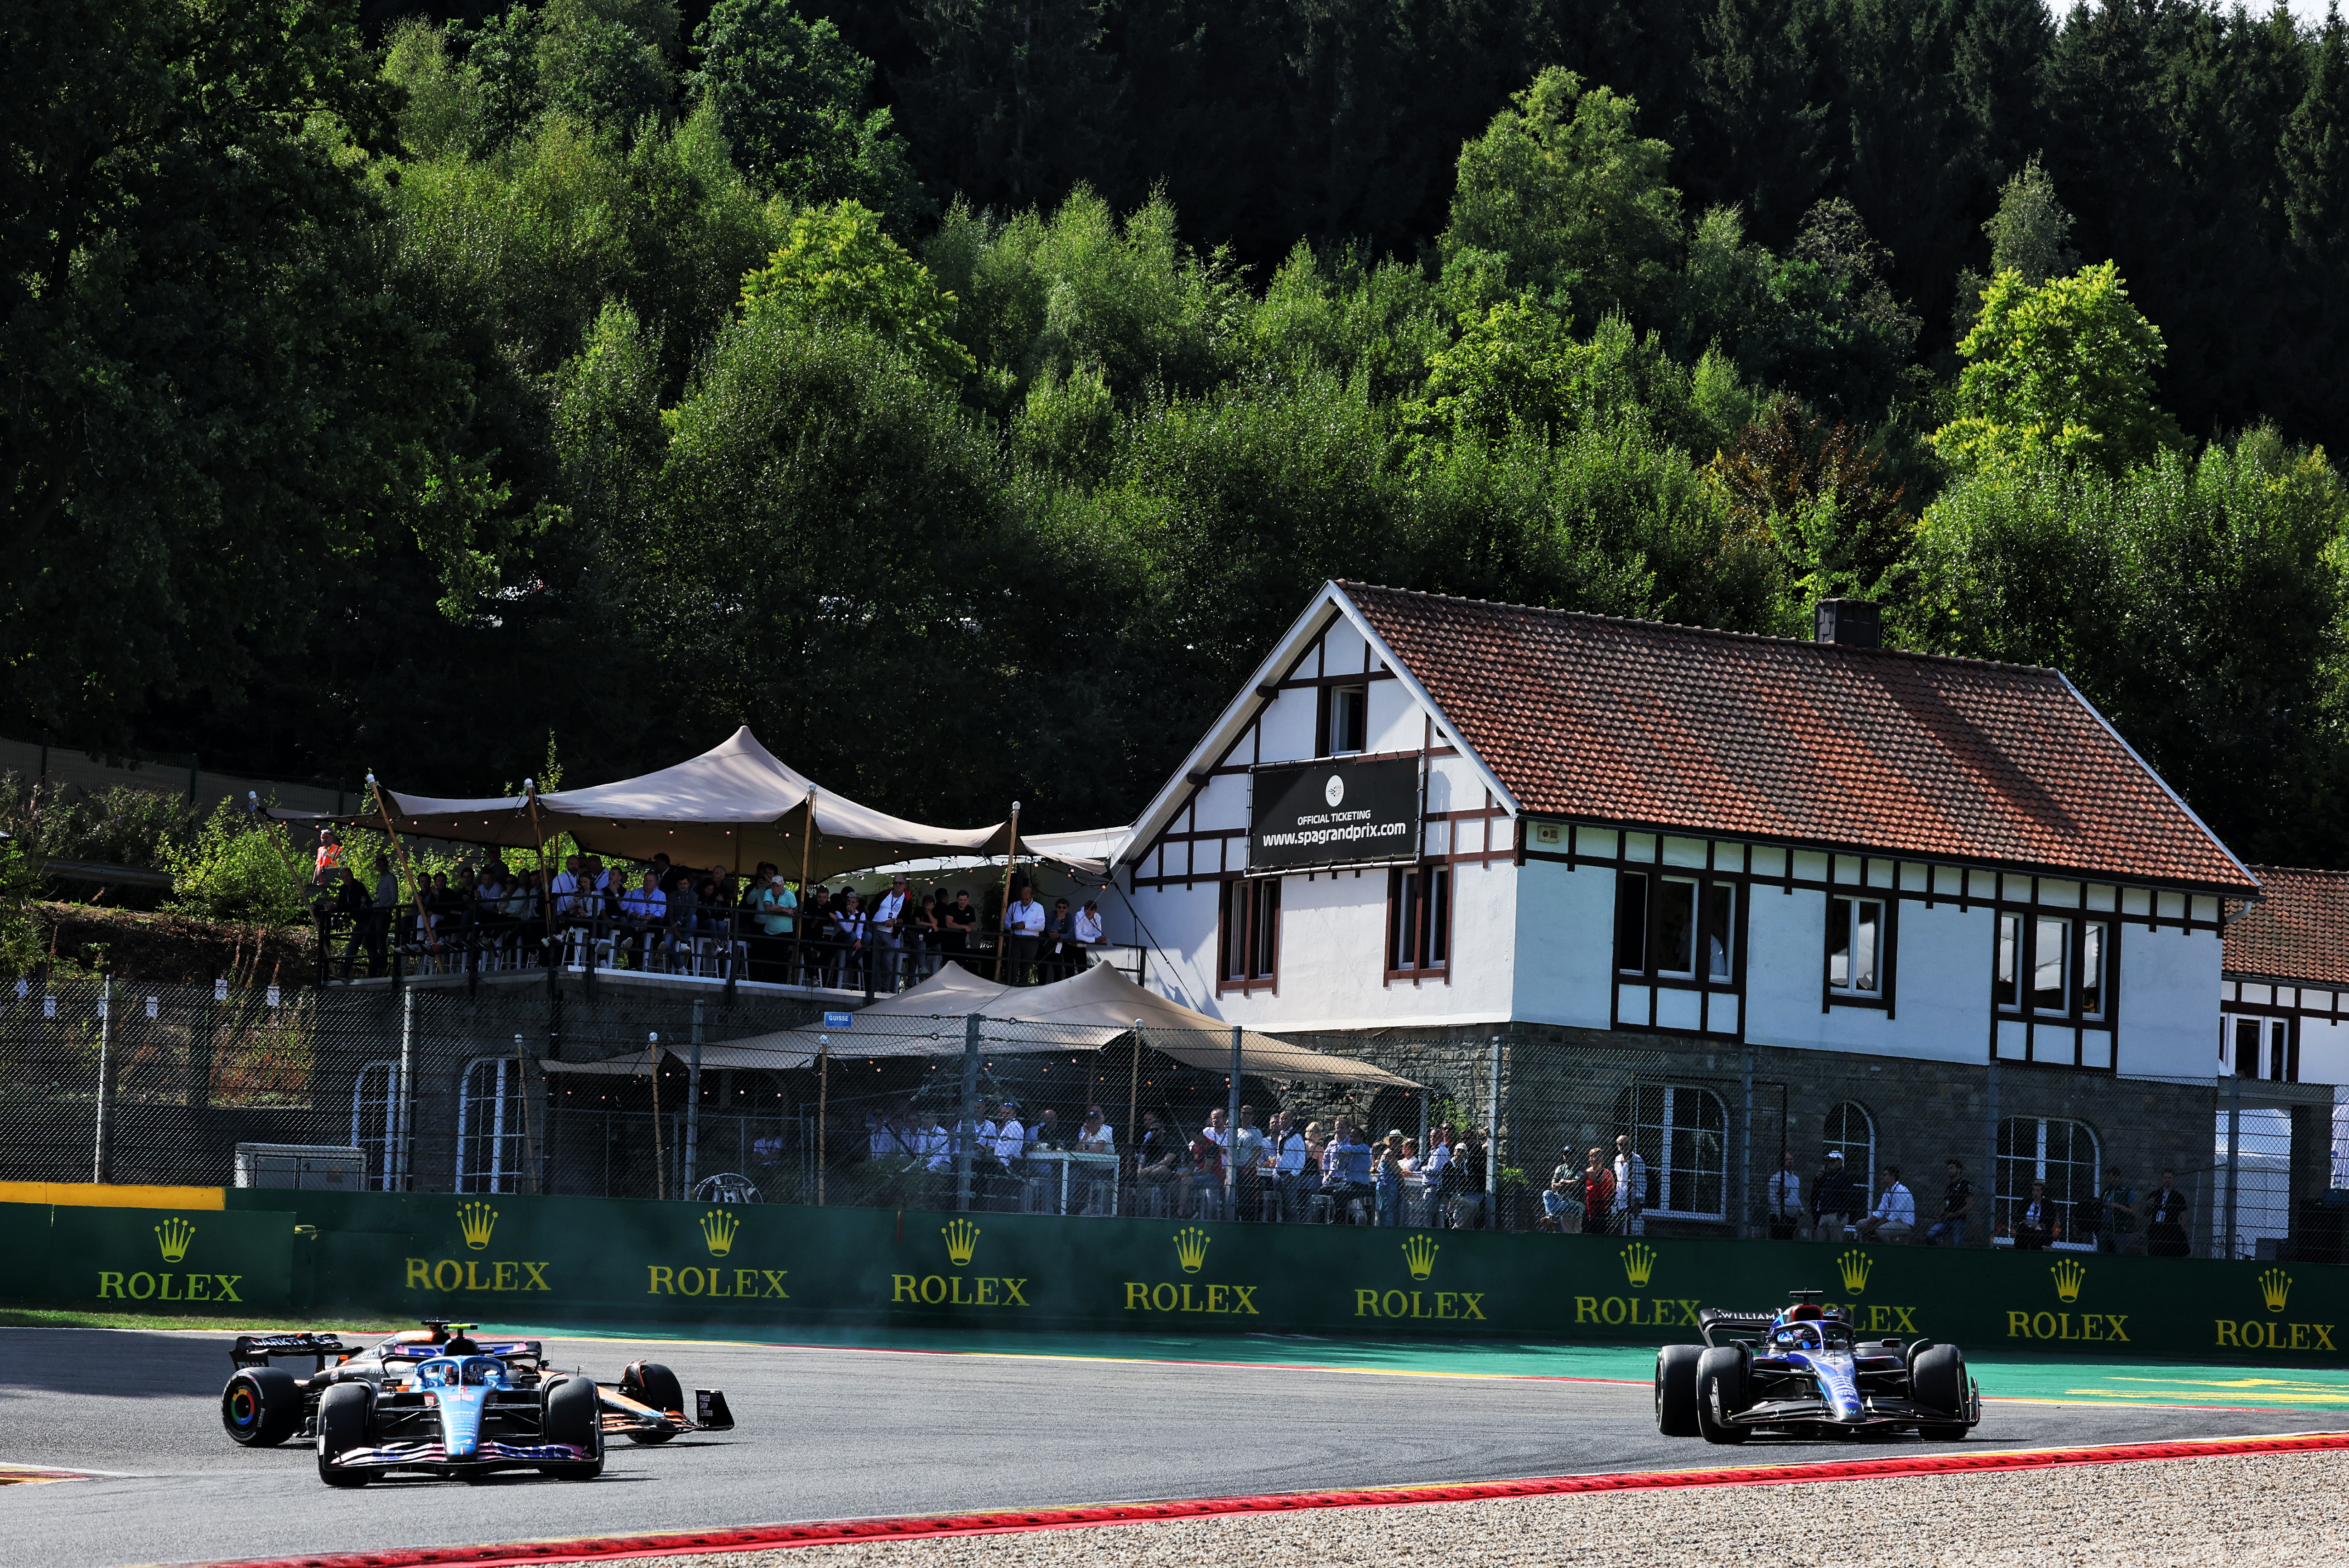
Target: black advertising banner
[[1334, 813]]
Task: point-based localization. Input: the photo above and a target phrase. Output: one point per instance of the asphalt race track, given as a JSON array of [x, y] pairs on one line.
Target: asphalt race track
[[835, 1433]]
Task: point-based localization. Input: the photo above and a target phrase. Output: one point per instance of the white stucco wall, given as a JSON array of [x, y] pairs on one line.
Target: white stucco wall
[[1566, 943], [2169, 1003], [1941, 983]]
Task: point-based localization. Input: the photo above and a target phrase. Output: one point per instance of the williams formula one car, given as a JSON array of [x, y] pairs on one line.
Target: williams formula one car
[[1802, 1373], [439, 1401]]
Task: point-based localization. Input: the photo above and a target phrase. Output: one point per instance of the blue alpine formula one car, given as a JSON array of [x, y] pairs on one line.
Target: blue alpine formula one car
[[1803, 1372]]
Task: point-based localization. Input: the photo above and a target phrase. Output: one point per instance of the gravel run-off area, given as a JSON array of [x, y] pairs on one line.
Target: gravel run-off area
[[2244, 1511]]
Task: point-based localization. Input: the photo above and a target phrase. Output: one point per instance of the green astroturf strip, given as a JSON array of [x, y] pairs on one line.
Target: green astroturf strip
[[2006, 1375]]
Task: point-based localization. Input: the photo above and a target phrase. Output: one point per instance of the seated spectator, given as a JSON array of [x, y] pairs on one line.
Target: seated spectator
[[2036, 1225], [1386, 1180], [1158, 1164], [1558, 1204], [644, 913], [1895, 1215], [1835, 1198], [1346, 1170]]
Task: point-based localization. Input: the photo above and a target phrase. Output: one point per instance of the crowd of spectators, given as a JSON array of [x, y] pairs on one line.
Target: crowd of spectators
[[662, 916]]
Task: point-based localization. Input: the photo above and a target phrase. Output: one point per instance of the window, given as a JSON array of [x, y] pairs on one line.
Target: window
[[1248, 942], [490, 1126], [1683, 1132], [1419, 919], [1688, 933], [2067, 960], [1851, 1132], [2061, 1154], [1856, 948], [2258, 1048], [374, 1122], [1345, 718]]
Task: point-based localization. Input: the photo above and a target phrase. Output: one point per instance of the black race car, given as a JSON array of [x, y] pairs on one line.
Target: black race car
[[1803, 1372], [438, 1401]]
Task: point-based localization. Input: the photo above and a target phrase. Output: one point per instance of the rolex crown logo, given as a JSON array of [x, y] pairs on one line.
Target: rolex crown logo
[[476, 1220], [1419, 1252], [962, 1237], [717, 1227], [1855, 1266], [1639, 1265], [2275, 1288], [1190, 1248], [173, 1236], [2068, 1273]]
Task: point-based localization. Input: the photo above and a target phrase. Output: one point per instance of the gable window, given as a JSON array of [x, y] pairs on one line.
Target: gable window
[[1677, 940], [1247, 944], [489, 1126], [1419, 920], [1856, 948], [1345, 720], [2251, 1047]]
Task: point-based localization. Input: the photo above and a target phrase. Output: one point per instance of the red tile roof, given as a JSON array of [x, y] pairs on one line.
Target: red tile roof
[[2298, 931], [1679, 727]]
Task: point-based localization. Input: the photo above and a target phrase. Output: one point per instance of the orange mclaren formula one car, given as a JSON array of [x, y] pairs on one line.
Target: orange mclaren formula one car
[[383, 1407]]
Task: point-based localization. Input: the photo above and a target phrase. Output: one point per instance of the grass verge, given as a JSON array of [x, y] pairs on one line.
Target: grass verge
[[64, 1317]]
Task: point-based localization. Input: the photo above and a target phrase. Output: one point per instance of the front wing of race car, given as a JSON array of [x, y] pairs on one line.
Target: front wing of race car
[[625, 1416], [1878, 1412]]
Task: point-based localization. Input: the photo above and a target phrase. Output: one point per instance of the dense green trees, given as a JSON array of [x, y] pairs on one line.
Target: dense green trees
[[965, 392]]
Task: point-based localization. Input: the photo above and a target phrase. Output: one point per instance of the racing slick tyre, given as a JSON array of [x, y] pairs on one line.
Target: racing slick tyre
[[571, 1412], [1721, 1384], [651, 1383], [1938, 1379], [1676, 1389], [261, 1406], [346, 1421]]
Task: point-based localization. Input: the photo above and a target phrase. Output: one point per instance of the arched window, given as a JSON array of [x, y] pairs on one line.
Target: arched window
[[1851, 1133], [1683, 1132], [374, 1122], [2060, 1153], [489, 1126]]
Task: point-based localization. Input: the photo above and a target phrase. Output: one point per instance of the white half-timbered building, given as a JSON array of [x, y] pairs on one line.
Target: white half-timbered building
[[1625, 825]]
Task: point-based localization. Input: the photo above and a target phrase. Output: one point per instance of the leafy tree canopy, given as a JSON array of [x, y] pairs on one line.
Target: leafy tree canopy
[[837, 263]]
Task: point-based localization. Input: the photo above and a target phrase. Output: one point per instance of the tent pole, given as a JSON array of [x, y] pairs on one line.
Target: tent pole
[[660, 1159], [822, 1107], [1003, 921], [967, 1129], [1133, 1112], [398, 850], [545, 877], [799, 911]]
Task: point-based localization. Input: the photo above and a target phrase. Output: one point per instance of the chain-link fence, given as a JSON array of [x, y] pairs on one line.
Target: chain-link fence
[[633, 1088]]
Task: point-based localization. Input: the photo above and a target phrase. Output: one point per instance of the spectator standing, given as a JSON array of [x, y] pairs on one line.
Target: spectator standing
[[1471, 1201], [926, 932], [1060, 937], [1205, 1166], [1957, 1202], [1630, 1188], [1596, 1189], [960, 921], [1345, 1169], [2164, 1220], [1095, 1136], [890, 917], [1894, 1218], [345, 900], [854, 928], [1783, 1202], [1247, 1150], [2116, 1212], [1091, 933], [328, 859], [1158, 1164], [1023, 926], [1835, 1198], [1010, 1153], [1287, 1145], [1386, 1182]]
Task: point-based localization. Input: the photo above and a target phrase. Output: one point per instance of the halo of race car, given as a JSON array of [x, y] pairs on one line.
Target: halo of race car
[[1803, 1371], [439, 1401]]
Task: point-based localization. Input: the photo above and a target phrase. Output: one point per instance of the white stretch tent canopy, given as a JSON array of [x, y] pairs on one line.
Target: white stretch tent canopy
[[1084, 1012], [734, 805]]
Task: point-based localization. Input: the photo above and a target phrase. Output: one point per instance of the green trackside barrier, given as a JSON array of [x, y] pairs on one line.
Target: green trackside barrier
[[545, 1259], [200, 1260]]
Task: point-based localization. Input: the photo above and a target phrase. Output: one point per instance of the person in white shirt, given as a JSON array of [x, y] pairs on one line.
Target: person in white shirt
[[1010, 1146], [564, 889], [1246, 1151], [1896, 1212], [1088, 924], [1630, 1188], [1784, 1201], [1096, 1183], [1287, 1145], [890, 917], [1024, 922], [643, 910]]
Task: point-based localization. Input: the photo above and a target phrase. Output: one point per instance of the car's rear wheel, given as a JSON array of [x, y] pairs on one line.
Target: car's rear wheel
[[1676, 1389], [261, 1406], [1937, 1380], [1720, 1391], [651, 1383], [571, 1412], [346, 1421]]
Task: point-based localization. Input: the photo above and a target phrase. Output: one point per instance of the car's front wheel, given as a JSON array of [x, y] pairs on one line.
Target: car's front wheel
[[651, 1383], [1937, 1380], [346, 1421], [570, 1411], [1676, 1389], [1720, 1392]]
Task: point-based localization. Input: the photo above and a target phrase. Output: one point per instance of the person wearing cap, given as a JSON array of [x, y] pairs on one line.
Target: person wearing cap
[[1836, 1199]]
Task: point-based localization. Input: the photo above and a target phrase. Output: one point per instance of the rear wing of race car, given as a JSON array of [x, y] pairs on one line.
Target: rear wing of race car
[[256, 1349], [1719, 1326]]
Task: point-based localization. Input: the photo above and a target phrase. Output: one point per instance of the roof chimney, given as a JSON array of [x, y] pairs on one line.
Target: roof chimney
[[1851, 623]]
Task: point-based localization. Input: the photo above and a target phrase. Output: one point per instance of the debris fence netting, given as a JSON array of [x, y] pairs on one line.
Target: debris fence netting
[[521, 1083]]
